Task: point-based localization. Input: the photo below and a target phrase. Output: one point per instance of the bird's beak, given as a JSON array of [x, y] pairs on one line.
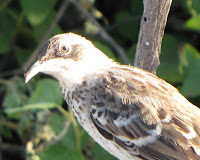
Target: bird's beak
[[35, 69]]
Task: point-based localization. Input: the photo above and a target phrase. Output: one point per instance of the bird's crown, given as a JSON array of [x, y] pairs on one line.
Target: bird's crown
[[61, 45]]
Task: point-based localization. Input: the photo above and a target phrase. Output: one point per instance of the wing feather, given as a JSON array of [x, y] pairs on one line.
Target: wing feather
[[136, 110]]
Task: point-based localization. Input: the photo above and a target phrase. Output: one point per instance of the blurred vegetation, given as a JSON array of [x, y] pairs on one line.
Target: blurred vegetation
[[35, 123]]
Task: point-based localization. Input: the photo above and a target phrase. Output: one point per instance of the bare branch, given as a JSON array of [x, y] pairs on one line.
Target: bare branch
[[151, 33], [47, 34], [4, 4], [105, 36]]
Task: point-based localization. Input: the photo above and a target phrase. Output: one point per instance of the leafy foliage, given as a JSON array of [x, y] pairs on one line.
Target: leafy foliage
[[169, 60], [37, 11], [46, 91], [34, 115], [61, 152]]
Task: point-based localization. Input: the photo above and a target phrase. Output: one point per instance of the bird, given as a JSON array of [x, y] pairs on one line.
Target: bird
[[131, 113]]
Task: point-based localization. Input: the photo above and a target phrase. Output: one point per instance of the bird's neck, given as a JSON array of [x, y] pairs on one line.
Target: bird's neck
[[84, 70]]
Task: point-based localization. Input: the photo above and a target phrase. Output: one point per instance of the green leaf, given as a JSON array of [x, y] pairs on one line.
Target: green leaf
[[7, 30], [169, 60], [191, 87], [37, 11], [100, 152], [193, 23], [60, 152], [130, 29], [189, 57], [40, 29], [47, 90], [22, 55], [69, 139], [84, 138], [136, 7], [12, 99], [131, 53], [193, 6], [15, 93], [105, 49], [57, 122]]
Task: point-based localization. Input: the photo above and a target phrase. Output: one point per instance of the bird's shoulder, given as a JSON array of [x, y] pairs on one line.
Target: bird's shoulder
[[132, 89]]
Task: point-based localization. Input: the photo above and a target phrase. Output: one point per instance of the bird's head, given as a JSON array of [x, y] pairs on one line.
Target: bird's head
[[68, 57]]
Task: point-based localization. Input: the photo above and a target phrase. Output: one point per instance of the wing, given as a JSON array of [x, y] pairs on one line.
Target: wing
[[145, 115]]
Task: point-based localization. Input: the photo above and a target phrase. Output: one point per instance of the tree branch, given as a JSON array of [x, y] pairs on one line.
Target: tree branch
[[151, 33], [104, 35]]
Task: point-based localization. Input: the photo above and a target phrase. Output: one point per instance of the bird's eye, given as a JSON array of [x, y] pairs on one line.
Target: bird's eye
[[64, 48]]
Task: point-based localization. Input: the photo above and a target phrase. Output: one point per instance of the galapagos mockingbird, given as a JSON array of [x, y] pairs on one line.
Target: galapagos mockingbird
[[131, 113]]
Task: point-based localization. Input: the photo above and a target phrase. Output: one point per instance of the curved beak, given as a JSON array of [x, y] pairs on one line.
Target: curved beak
[[35, 69]]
